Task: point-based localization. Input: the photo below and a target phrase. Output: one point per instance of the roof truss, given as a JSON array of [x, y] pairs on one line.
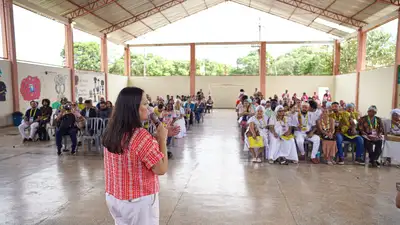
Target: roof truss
[[88, 8]]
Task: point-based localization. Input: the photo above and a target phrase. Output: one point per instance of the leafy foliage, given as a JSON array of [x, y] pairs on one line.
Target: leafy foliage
[[305, 60]]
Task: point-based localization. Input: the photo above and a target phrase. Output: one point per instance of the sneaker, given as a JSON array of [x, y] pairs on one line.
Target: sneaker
[[329, 162], [271, 161], [25, 140], [59, 153], [341, 161], [254, 160], [79, 143], [30, 139], [169, 155], [259, 160], [359, 161], [73, 152]]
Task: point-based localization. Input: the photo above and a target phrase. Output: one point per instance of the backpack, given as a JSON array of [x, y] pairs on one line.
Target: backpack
[[67, 122]]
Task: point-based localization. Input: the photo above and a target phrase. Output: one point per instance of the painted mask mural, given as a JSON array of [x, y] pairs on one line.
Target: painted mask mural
[[30, 88], [3, 91], [59, 85]]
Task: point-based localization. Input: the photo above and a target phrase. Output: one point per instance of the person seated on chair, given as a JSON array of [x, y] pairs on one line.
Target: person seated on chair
[[347, 131], [158, 110], [102, 99], [371, 129], [209, 104], [391, 151], [46, 111], [89, 111], [104, 112], [258, 127], [66, 125], [81, 105], [326, 128], [282, 146], [306, 128], [31, 120]]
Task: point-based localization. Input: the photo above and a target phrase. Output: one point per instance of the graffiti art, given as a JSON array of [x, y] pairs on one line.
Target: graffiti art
[[3, 91], [30, 88], [59, 85]]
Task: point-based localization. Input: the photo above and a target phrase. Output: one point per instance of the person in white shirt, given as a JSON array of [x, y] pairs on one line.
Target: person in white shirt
[[306, 128]]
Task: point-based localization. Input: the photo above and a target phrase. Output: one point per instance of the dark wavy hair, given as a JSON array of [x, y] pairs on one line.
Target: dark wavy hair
[[124, 120], [46, 100]]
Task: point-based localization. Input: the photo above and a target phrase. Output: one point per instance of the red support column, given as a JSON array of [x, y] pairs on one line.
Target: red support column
[[127, 58], [9, 44], [361, 53], [336, 58], [263, 66], [192, 72], [69, 57], [104, 62], [396, 78]]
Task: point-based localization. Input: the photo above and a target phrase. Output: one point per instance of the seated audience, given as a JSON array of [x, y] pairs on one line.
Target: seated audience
[[102, 99], [66, 125], [180, 121], [371, 129], [31, 120], [89, 111], [306, 128], [209, 105], [81, 105], [392, 138], [326, 128], [104, 112], [258, 127], [46, 111], [281, 140]]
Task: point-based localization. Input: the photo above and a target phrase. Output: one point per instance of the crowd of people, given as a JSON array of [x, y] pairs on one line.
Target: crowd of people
[[68, 118], [280, 129]]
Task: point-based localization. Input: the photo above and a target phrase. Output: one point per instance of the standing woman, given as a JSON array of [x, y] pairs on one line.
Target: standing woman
[[133, 159], [180, 121]]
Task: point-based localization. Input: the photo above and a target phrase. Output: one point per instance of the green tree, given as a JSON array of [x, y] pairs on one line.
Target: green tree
[[86, 56], [381, 50]]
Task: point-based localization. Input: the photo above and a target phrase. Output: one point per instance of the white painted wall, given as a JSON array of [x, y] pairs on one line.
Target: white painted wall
[[162, 86], [376, 88], [6, 101], [345, 88], [37, 82], [115, 84], [298, 84], [89, 85]]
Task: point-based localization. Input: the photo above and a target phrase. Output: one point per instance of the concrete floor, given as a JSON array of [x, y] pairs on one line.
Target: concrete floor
[[210, 181]]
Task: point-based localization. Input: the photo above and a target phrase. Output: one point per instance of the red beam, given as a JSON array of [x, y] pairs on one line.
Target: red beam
[[142, 16], [320, 11], [393, 2], [88, 8]]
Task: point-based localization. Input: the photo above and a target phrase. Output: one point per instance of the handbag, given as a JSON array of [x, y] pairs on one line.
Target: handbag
[[257, 142]]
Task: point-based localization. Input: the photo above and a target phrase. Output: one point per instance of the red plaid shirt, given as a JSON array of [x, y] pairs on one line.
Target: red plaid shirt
[[129, 176]]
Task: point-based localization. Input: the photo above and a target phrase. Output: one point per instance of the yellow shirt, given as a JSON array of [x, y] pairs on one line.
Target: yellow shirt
[[157, 112], [81, 106]]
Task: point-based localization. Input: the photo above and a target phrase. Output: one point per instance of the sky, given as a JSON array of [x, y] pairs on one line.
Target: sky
[[39, 39]]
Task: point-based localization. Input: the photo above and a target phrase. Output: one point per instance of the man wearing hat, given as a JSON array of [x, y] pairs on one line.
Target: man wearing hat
[[371, 129]]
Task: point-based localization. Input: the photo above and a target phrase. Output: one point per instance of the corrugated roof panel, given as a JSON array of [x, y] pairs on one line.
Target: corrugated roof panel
[[338, 33], [279, 6], [138, 28], [174, 12], [155, 20], [320, 26], [213, 2], [92, 23], [192, 3], [281, 12], [113, 13], [263, 6], [137, 6], [46, 4], [62, 8], [120, 35], [300, 20], [319, 3], [195, 9], [304, 14], [243, 2], [346, 8]]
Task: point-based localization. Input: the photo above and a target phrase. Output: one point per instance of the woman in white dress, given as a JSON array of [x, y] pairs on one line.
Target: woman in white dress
[[282, 146], [391, 151], [258, 126], [180, 120]]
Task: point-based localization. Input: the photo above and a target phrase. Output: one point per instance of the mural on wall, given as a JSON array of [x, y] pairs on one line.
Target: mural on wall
[[59, 85], [89, 86], [3, 91], [30, 88]]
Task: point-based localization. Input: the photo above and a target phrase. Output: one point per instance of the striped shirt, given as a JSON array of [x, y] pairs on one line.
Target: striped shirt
[[129, 175]]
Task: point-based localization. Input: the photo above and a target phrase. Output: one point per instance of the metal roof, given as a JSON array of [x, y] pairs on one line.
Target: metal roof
[[124, 20]]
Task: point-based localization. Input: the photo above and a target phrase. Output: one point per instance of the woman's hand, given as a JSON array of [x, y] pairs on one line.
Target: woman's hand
[[162, 133], [173, 130]]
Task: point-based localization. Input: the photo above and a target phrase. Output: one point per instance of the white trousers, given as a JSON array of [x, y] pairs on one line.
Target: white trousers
[[282, 148], [140, 211], [24, 125], [301, 137]]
